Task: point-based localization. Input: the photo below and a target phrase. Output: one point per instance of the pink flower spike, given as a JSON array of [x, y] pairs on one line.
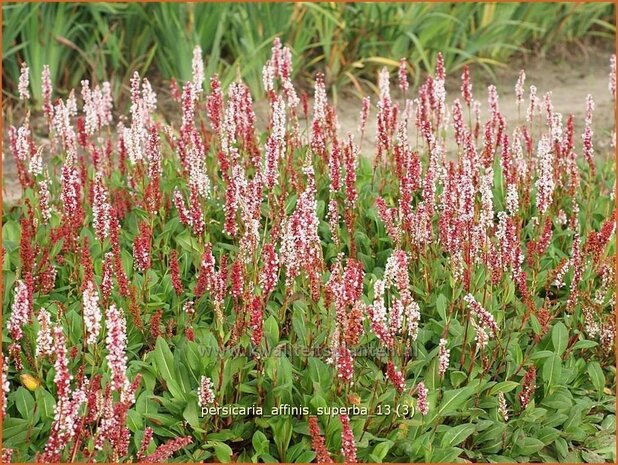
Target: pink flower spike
[[421, 396], [46, 92], [92, 313], [44, 338], [116, 343], [206, 395], [270, 269], [519, 88], [612, 75], [466, 85], [444, 356], [364, 115], [395, 377], [485, 318], [24, 82], [20, 311], [257, 317], [141, 248], [348, 447], [165, 451], [403, 76], [198, 70]]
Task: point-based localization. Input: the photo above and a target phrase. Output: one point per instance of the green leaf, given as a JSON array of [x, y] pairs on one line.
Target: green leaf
[[11, 232], [539, 354], [134, 421], [548, 435], [557, 400], [185, 240], [596, 376], [504, 387], [559, 337], [457, 435], [223, 452], [260, 442], [191, 413], [528, 446], [24, 403], [295, 451], [381, 449], [432, 377], [271, 330], [45, 403], [164, 361], [552, 370], [441, 305], [584, 344], [573, 424], [282, 434], [442, 455], [454, 399], [516, 353], [305, 457], [589, 456], [299, 325], [12, 427], [562, 447], [458, 377]]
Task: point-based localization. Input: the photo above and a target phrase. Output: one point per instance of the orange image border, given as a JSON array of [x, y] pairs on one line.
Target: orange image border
[[615, 2]]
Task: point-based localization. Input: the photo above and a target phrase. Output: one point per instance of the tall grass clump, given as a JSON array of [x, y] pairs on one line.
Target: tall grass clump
[[349, 42]]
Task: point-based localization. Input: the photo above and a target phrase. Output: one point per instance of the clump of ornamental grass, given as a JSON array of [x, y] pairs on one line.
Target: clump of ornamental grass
[[454, 288]]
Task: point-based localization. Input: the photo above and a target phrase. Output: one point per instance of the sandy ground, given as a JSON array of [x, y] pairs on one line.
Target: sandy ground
[[569, 80]]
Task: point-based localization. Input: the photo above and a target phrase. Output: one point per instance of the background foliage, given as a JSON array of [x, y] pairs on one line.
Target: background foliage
[[347, 41]]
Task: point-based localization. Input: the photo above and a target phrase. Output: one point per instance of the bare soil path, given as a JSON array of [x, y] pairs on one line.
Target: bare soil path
[[569, 82]]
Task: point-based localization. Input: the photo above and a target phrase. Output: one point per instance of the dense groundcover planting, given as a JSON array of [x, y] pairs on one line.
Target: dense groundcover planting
[[205, 291]]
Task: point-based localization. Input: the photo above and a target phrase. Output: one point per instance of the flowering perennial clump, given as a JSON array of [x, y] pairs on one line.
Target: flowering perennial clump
[[451, 287]]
